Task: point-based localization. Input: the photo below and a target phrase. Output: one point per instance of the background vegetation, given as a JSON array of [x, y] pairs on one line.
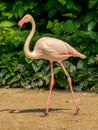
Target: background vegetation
[[70, 20]]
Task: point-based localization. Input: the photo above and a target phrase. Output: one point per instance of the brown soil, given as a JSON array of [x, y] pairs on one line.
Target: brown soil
[[21, 109]]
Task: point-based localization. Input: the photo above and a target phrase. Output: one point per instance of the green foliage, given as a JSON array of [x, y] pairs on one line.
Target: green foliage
[[71, 21]]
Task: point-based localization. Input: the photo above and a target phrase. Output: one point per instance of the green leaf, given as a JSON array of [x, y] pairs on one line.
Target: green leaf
[[14, 79], [47, 79], [50, 4], [93, 35], [91, 25], [52, 12], [90, 16], [2, 6], [80, 64], [63, 2], [7, 76], [91, 61], [28, 60], [40, 83], [39, 74], [49, 25], [57, 69], [35, 67], [7, 14], [70, 15], [92, 3], [6, 24], [32, 4], [3, 72], [70, 4], [69, 26]]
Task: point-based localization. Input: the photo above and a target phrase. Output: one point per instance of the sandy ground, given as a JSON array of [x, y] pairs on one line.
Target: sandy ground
[[21, 109]]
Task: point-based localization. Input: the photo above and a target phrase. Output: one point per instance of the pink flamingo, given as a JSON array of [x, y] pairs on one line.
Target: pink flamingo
[[51, 49]]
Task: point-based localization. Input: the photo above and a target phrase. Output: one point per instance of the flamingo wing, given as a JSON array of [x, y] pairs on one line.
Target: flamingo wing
[[54, 48]]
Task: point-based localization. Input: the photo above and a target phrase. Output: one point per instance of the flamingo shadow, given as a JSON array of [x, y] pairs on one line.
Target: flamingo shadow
[[33, 110], [41, 110]]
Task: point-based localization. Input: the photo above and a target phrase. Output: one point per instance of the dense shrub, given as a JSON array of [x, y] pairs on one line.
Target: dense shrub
[[73, 21]]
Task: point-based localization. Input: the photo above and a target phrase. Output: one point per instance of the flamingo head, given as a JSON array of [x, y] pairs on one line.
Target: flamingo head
[[27, 18]]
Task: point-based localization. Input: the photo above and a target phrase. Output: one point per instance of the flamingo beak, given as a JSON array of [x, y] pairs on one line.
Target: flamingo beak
[[21, 22]]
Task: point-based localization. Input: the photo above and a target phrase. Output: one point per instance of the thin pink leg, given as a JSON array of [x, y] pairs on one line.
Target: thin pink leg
[[71, 87], [51, 87]]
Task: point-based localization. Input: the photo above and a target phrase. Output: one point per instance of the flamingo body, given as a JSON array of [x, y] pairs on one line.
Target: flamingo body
[[51, 49]]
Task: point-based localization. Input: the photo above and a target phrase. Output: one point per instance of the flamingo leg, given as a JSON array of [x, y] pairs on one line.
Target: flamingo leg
[[71, 88], [51, 87]]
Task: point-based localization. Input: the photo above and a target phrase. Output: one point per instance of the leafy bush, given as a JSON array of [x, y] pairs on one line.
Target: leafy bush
[[71, 21]]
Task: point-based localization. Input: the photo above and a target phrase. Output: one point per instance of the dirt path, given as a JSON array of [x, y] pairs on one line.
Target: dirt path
[[20, 109]]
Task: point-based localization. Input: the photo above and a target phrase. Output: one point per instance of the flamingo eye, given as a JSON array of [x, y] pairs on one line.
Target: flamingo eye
[[26, 18]]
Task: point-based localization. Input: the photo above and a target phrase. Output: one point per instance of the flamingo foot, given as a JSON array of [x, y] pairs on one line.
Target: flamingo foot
[[77, 111], [44, 114]]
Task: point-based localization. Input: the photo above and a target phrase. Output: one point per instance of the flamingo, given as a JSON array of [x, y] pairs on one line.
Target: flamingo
[[51, 49]]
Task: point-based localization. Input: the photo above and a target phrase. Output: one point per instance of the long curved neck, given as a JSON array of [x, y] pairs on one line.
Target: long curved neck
[[27, 42]]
